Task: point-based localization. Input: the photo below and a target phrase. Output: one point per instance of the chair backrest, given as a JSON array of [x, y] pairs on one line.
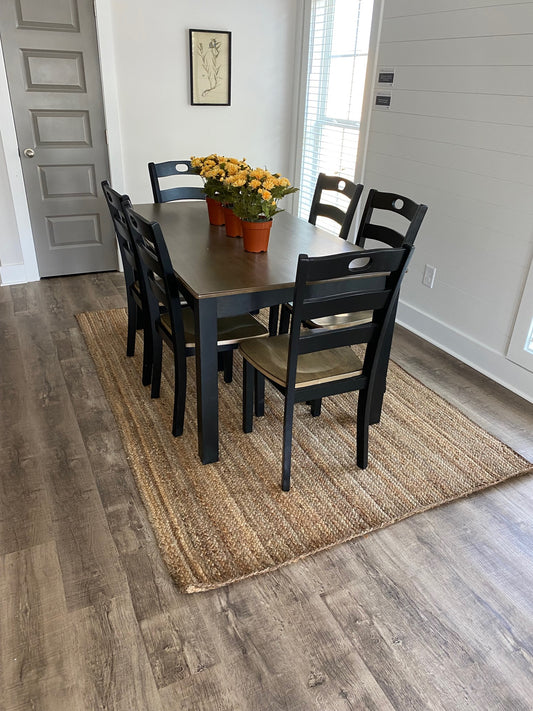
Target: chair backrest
[[391, 203], [336, 284], [338, 186], [181, 192], [159, 273], [115, 202]]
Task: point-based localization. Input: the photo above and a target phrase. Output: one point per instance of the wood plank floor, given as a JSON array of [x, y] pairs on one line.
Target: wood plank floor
[[433, 613]]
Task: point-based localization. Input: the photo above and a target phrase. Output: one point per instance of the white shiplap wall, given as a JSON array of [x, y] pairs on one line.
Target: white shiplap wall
[[459, 137]]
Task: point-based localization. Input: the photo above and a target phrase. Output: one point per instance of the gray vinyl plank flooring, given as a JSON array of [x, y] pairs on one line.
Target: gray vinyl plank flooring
[[434, 613]]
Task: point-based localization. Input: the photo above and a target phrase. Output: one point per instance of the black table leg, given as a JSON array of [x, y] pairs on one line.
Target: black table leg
[[205, 317]]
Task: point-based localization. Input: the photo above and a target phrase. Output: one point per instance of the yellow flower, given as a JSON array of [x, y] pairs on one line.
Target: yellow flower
[[258, 173], [215, 172], [254, 183], [269, 183], [265, 194]]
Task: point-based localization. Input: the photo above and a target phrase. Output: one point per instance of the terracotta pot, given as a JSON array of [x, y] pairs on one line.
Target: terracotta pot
[[215, 210], [256, 235], [233, 223]]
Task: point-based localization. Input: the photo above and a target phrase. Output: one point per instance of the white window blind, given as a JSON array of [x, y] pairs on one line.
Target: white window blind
[[338, 53]]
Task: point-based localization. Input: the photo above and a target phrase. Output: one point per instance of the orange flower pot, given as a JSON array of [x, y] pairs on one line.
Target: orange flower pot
[[256, 235], [233, 223], [215, 211]]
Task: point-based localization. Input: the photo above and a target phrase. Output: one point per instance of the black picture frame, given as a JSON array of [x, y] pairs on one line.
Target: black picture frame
[[210, 67]]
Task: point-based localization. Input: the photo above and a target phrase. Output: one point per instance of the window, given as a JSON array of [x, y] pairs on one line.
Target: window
[[338, 53]]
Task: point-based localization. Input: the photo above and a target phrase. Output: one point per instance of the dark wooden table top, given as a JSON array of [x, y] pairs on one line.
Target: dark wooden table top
[[210, 264]]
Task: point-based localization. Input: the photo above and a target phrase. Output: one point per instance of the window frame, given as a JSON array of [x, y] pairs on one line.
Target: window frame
[[523, 328]]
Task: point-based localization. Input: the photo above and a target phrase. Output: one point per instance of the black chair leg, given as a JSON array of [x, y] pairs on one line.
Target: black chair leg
[[139, 317], [363, 418], [132, 326], [316, 407], [180, 391], [259, 394], [227, 359], [287, 443], [284, 319], [157, 356], [248, 396], [273, 316], [148, 355]]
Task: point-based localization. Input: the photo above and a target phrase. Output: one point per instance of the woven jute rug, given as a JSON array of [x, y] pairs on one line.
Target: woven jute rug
[[222, 522]]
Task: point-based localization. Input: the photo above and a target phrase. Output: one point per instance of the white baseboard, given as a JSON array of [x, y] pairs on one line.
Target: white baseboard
[[483, 359], [13, 274]]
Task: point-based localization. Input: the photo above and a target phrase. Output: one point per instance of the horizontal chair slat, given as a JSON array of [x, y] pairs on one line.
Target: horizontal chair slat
[[367, 301], [158, 291], [331, 211], [150, 260], [372, 260], [319, 339], [182, 193]]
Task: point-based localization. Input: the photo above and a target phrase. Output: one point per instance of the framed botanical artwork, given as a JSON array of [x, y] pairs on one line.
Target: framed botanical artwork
[[210, 60]]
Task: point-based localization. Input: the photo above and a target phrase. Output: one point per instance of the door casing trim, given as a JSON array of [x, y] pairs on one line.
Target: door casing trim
[[28, 270]]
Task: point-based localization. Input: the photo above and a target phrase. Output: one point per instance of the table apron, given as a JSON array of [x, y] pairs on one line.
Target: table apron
[[235, 304]]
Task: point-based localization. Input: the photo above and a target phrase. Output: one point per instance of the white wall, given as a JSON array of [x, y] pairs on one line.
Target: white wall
[[459, 137], [145, 67], [10, 250], [157, 122]]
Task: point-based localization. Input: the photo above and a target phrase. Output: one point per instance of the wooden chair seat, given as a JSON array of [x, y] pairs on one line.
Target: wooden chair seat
[[338, 320], [230, 329], [269, 356]]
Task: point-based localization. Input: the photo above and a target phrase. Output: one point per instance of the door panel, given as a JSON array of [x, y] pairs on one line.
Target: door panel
[[53, 71], [54, 81]]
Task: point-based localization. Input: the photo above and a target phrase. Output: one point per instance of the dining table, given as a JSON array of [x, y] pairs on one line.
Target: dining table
[[218, 278]]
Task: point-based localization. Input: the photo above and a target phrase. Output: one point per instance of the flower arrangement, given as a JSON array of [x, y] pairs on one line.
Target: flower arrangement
[[255, 193], [214, 170]]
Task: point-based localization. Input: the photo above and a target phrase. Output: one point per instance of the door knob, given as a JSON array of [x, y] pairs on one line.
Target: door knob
[[29, 152]]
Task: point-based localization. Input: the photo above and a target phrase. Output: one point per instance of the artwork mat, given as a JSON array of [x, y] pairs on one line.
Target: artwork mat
[[210, 67]]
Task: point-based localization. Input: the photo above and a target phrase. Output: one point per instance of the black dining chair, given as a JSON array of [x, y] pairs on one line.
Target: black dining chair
[[308, 364], [335, 198], [378, 207], [174, 323], [174, 168], [329, 191], [136, 287]]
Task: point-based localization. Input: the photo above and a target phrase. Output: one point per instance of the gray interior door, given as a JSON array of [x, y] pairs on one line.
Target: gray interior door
[[53, 72]]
